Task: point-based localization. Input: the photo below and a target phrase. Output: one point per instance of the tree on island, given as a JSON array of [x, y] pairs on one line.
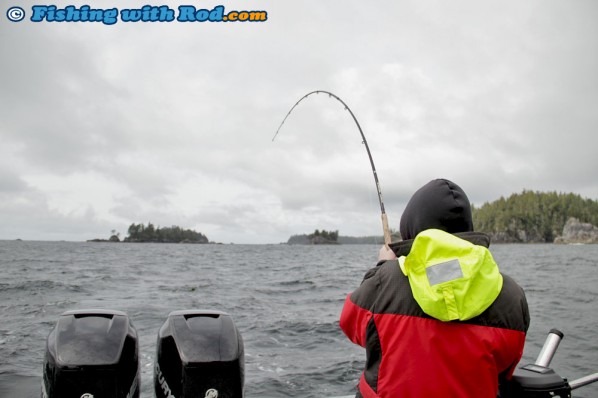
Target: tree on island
[[174, 234], [114, 236], [331, 236]]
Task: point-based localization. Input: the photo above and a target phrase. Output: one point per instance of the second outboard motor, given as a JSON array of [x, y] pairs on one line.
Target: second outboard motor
[[199, 354], [91, 353]]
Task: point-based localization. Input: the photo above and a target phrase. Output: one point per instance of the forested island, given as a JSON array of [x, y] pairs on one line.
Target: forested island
[[316, 238], [139, 233], [526, 217], [539, 217], [333, 238], [174, 234]]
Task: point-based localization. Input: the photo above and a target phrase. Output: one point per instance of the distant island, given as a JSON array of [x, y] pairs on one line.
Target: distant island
[[526, 217], [140, 233], [333, 238], [316, 238]]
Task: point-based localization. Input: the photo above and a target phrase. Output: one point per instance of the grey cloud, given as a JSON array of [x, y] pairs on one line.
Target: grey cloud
[[498, 97]]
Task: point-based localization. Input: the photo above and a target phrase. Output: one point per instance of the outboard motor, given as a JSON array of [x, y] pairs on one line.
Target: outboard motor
[[92, 353], [199, 354]]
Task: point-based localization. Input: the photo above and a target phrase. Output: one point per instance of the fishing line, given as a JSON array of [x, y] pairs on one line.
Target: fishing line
[[385, 228]]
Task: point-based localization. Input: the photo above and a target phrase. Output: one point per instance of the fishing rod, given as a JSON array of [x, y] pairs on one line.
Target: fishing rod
[[385, 228]]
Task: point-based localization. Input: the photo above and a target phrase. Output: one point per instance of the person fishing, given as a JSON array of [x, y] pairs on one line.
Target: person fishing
[[436, 316]]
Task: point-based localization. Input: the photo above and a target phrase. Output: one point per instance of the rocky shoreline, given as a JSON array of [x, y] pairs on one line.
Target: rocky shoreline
[[576, 232]]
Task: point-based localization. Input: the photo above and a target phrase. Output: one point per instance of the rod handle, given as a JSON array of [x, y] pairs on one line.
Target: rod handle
[[386, 229]]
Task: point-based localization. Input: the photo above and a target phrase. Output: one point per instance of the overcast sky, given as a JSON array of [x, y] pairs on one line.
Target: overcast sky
[[172, 123]]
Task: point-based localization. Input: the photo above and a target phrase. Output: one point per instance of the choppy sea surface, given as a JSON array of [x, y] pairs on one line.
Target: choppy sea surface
[[285, 300]]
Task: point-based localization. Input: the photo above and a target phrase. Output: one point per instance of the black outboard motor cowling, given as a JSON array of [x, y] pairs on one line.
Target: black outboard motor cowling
[[93, 352], [199, 354], [535, 381]]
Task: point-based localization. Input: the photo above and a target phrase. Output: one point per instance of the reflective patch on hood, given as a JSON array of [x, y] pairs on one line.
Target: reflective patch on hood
[[444, 272]]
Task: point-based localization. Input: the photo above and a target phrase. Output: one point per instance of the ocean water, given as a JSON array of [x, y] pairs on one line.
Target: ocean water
[[285, 300]]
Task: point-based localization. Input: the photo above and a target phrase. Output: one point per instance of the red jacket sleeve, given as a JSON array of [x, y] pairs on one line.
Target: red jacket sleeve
[[354, 320]]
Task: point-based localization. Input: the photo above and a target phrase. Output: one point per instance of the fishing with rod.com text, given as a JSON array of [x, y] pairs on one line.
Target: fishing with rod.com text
[[147, 13]]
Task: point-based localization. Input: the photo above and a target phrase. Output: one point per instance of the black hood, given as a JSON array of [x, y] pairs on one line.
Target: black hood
[[439, 204]]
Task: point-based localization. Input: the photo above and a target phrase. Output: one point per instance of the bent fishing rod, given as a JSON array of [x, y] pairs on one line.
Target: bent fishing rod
[[385, 229]]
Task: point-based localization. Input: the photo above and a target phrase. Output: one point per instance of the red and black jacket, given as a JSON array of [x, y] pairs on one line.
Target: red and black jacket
[[411, 354]]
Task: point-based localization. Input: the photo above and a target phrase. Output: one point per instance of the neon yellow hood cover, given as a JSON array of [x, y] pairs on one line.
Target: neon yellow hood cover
[[451, 278]]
